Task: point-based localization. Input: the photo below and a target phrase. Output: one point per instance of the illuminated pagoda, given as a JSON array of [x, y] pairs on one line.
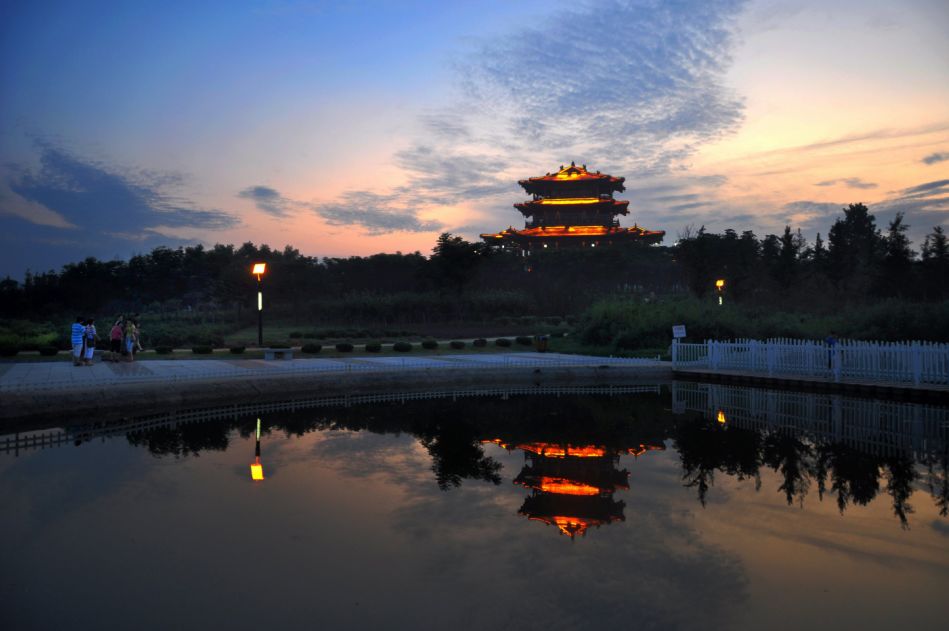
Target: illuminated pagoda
[[572, 208], [572, 486]]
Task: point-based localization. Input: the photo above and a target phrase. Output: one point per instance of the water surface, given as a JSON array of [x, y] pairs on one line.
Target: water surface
[[690, 507]]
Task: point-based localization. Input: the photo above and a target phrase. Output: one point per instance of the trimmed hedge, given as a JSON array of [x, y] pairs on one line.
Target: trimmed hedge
[[429, 344], [237, 350], [8, 351], [311, 349], [49, 351], [402, 347], [164, 350], [456, 344], [202, 350], [373, 347], [480, 342], [524, 340], [502, 341], [344, 347]]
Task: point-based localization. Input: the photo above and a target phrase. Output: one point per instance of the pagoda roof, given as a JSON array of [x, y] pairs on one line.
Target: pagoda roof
[[568, 232], [574, 173]]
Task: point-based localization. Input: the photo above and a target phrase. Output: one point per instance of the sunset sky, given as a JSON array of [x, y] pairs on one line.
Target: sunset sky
[[354, 128]]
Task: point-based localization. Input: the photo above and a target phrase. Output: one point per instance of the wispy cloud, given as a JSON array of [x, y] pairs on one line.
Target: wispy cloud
[[638, 84], [268, 200], [933, 158], [850, 182], [101, 198], [378, 214]]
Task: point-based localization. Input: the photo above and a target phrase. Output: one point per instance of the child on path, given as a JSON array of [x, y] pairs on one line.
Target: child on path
[[77, 336], [91, 338]]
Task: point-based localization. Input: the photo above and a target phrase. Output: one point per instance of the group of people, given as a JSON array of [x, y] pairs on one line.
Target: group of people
[[123, 340]]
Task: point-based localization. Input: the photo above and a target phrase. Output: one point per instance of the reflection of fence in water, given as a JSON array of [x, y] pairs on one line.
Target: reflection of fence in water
[[44, 439], [874, 426]]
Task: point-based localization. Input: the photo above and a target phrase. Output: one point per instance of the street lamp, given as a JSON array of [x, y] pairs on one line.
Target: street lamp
[[720, 286], [258, 271]]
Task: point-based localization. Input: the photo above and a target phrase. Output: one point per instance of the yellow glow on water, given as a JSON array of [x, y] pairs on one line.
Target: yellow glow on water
[[563, 486], [257, 471]]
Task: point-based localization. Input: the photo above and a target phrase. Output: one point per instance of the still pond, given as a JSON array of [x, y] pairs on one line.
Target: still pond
[[680, 506]]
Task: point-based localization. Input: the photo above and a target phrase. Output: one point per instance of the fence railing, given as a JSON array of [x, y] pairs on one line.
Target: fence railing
[[74, 429], [304, 368], [917, 363], [870, 425]]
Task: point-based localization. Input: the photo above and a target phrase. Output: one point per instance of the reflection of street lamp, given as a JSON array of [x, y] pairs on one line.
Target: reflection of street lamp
[[721, 417], [258, 271], [257, 469], [720, 286]]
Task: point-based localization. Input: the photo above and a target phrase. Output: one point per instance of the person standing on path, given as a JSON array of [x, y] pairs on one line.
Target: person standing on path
[[91, 337], [130, 339], [77, 336], [115, 341]]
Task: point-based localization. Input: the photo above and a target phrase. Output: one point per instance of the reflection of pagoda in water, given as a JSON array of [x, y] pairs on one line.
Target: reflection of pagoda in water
[[572, 486], [572, 208]]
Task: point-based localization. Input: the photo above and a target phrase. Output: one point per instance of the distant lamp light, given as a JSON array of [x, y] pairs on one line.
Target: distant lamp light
[[720, 286], [721, 417]]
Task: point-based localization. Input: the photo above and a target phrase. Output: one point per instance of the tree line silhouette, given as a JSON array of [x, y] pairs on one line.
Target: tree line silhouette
[[461, 280]]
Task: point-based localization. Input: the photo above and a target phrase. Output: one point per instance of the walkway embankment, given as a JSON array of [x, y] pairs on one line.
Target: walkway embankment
[[32, 391]]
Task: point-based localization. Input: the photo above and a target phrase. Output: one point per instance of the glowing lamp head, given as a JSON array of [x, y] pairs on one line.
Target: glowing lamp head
[[259, 269], [720, 283]]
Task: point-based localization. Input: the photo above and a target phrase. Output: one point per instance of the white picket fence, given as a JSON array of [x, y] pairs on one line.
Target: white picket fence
[[916, 363]]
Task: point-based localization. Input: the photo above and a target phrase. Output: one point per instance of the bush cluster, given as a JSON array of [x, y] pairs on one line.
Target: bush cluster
[[49, 351], [456, 344], [164, 350], [237, 350], [311, 349], [344, 347], [503, 342], [202, 350], [373, 347], [524, 340], [480, 342], [429, 344], [402, 347]]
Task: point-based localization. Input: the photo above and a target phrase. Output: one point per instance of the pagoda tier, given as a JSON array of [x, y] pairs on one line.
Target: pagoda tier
[[572, 514], [573, 476], [572, 207], [573, 181]]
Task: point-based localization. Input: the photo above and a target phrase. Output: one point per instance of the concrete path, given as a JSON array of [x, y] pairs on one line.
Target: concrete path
[[25, 377]]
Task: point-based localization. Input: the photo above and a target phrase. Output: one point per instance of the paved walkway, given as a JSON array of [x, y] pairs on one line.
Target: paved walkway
[[50, 376]]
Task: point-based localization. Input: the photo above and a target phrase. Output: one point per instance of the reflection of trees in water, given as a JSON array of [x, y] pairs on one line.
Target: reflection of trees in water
[[452, 431], [705, 447], [183, 440]]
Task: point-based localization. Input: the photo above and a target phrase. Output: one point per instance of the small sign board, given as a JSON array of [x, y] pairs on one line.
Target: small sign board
[[678, 331]]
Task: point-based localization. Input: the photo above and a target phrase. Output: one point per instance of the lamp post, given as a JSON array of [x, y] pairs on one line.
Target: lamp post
[[720, 286], [258, 271]]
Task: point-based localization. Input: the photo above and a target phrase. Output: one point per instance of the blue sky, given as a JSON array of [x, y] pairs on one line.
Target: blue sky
[[365, 128]]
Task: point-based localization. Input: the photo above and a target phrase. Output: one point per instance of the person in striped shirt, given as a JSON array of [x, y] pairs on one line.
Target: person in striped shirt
[[77, 334]]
